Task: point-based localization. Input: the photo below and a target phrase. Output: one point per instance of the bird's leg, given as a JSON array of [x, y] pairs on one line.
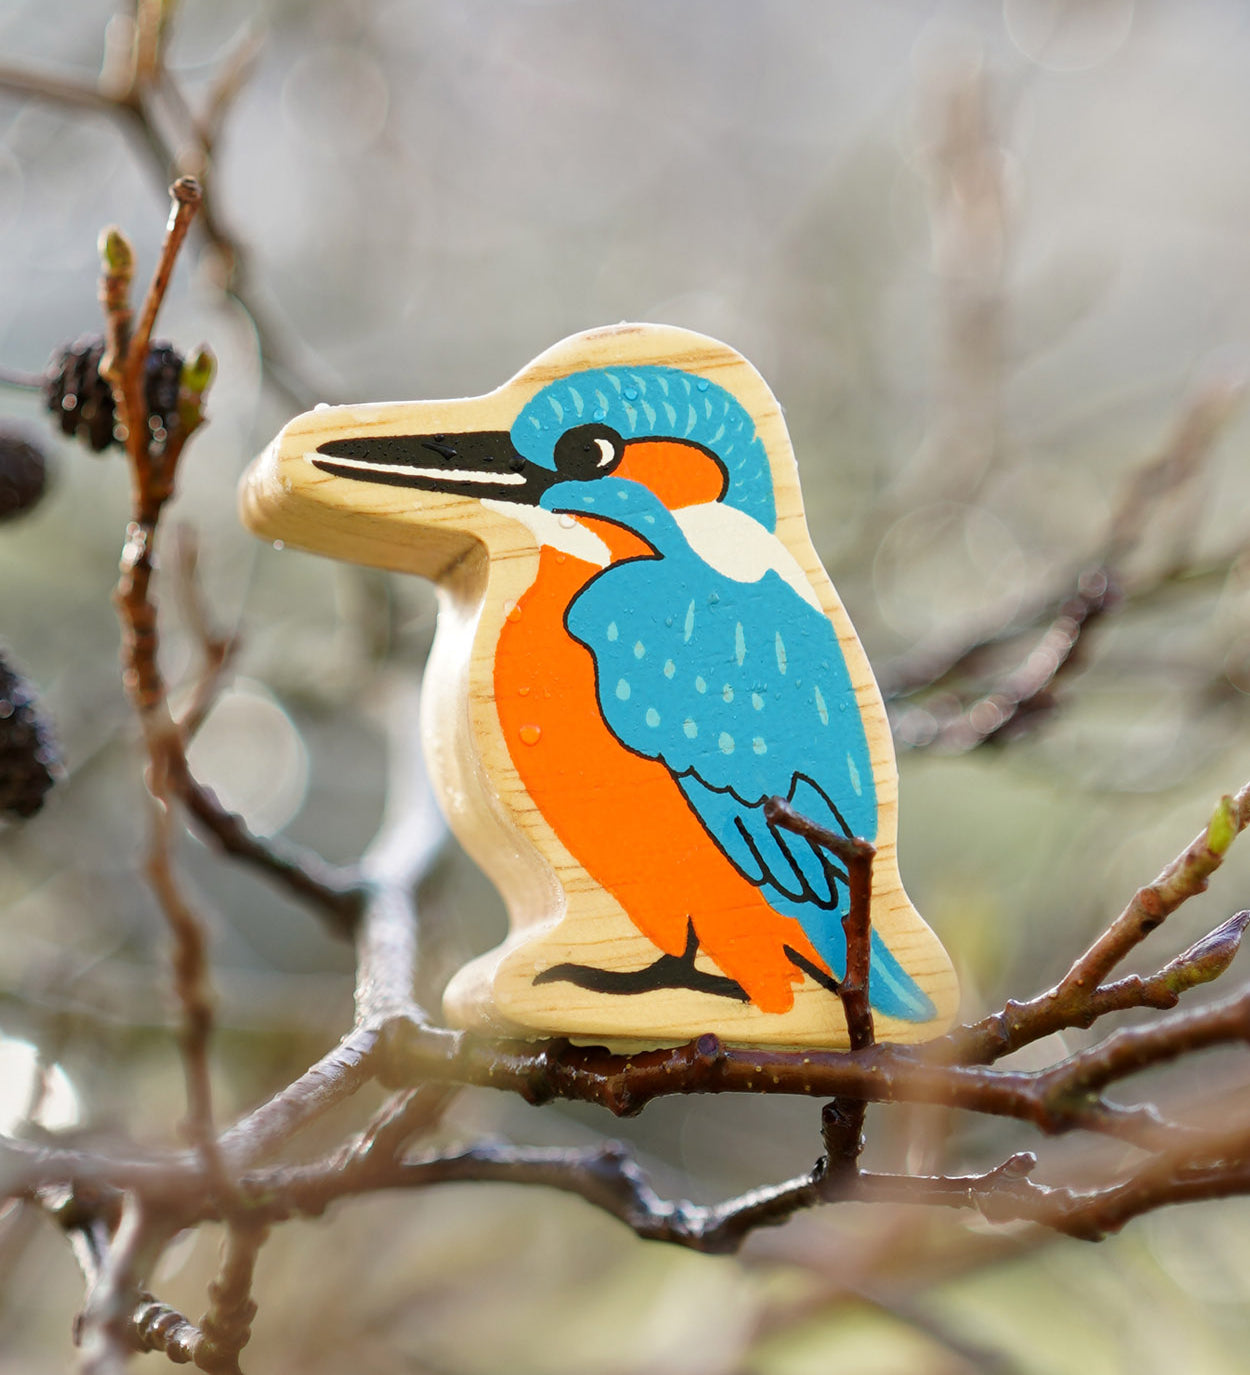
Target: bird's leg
[[669, 971], [813, 971]]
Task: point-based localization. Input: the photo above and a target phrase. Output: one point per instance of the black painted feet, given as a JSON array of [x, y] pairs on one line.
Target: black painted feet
[[669, 971]]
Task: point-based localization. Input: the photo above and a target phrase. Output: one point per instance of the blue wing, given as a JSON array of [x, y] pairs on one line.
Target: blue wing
[[741, 690]]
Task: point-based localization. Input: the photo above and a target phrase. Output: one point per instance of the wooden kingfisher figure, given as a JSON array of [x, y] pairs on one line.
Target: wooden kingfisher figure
[[637, 647]]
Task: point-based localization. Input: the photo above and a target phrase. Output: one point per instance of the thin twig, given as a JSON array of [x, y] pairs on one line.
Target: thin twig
[[335, 892], [1019, 1024], [1158, 484], [187, 199], [387, 938], [842, 1120], [151, 486], [26, 381], [778, 812], [191, 981], [608, 1177], [1019, 697], [970, 227], [1006, 702], [103, 1329], [1133, 1049], [405, 1117], [227, 1326], [60, 90], [857, 926], [217, 648], [150, 24]]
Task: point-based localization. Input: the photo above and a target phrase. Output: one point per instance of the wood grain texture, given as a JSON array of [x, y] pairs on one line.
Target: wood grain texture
[[344, 481]]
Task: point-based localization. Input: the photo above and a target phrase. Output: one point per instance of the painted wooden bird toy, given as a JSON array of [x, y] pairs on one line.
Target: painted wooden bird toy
[[637, 646]]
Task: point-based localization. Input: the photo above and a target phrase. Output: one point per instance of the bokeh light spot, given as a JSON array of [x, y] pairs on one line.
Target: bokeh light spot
[[253, 757]]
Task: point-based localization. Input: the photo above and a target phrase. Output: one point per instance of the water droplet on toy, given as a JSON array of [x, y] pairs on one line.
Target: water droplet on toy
[[530, 735], [279, 545], [631, 393], [561, 556], [702, 384], [566, 521], [523, 692], [601, 414], [515, 614]]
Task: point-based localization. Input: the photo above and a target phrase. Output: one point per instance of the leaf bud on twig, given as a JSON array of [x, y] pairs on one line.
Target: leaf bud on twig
[[117, 257], [1222, 828], [198, 371], [1208, 957]]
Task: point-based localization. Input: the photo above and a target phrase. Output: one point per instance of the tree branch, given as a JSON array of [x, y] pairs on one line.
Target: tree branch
[[1077, 994], [227, 1326]]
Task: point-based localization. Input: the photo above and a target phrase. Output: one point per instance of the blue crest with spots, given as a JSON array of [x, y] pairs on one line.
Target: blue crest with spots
[[652, 402], [741, 690]]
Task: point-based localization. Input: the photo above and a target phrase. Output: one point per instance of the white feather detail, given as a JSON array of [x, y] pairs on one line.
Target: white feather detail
[[560, 532], [738, 546]]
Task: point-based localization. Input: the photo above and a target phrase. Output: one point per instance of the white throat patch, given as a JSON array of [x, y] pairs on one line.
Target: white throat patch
[[559, 532]]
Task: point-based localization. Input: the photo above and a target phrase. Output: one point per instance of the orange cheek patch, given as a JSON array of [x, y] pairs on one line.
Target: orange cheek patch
[[679, 474]]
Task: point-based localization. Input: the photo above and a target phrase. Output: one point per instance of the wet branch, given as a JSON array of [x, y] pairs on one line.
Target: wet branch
[[1081, 996], [152, 485]]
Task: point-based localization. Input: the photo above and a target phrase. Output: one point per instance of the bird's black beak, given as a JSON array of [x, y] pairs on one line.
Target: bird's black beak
[[478, 464]]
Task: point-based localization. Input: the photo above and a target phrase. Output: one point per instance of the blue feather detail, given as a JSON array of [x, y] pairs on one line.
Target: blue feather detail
[[735, 716], [710, 414]]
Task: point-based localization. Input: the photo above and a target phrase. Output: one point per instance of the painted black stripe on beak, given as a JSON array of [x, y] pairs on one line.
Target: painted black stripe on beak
[[479, 464]]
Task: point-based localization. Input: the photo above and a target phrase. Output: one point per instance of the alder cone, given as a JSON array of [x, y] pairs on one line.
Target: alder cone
[[29, 760], [23, 473], [82, 400]]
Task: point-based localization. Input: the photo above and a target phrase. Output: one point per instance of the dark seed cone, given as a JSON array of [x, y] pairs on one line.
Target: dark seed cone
[[82, 400], [23, 472], [162, 383], [78, 396], [29, 760]]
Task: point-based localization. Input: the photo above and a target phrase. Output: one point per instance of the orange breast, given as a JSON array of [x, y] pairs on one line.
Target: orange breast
[[621, 816]]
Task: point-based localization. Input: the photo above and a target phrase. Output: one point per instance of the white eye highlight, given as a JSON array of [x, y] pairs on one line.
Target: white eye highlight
[[608, 452]]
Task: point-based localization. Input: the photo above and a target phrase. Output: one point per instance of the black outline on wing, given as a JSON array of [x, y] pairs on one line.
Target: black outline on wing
[[834, 873]]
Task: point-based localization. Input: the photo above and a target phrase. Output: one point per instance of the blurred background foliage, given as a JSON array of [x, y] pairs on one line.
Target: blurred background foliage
[[993, 258]]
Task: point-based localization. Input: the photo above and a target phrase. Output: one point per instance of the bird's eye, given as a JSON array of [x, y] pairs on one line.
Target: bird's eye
[[588, 451]]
